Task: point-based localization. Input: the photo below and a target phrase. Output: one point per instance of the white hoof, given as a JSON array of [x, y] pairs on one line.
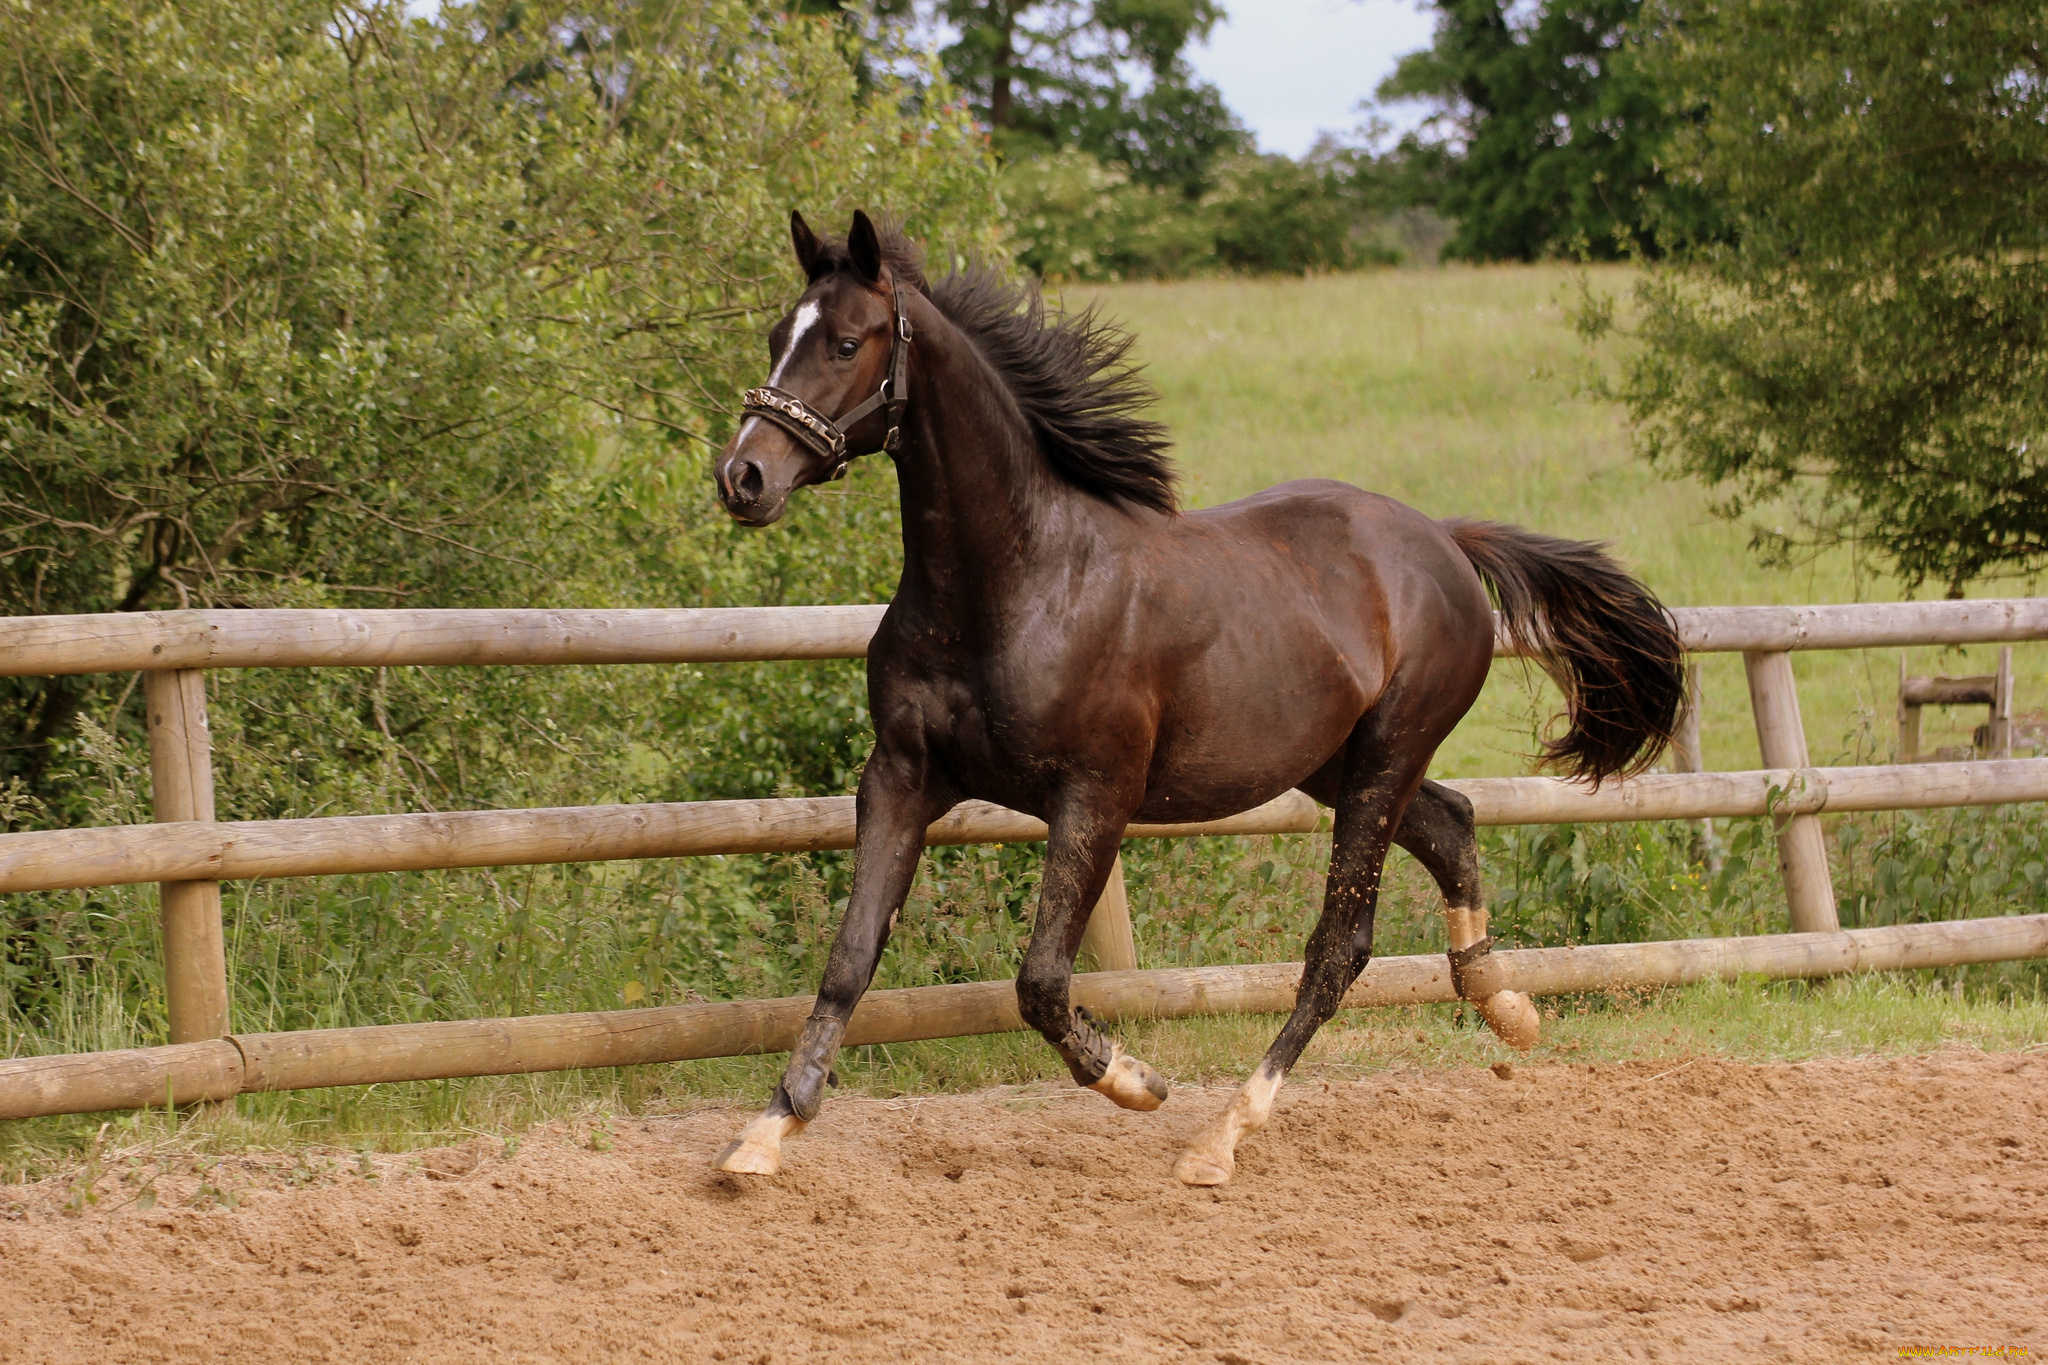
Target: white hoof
[[1211, 1159], [1203, 1170], [1513, 1019], [1131, 1084], [758, 1148]]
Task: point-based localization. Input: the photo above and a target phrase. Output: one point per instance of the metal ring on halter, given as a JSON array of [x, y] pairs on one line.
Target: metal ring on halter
[[826, 437]]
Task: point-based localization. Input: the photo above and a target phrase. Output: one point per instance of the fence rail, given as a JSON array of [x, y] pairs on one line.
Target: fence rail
[[189, 853], [335, 845], [36, 646], [246, 1063]]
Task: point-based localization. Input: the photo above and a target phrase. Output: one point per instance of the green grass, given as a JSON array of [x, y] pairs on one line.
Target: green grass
[[1459, 392], [1453, 390]]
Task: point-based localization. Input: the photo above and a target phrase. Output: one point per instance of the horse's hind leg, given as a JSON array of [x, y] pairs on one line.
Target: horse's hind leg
[[1079, 852], [1373, 791], [1438, 830]]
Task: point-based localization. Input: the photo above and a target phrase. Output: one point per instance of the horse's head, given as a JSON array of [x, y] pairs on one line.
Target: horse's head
[[835, 377]]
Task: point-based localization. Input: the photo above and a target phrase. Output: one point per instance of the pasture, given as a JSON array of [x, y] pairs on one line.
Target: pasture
[[1453, 390]]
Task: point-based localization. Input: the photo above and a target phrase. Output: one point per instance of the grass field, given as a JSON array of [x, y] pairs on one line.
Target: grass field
[[1450, 389], [1458, 391]]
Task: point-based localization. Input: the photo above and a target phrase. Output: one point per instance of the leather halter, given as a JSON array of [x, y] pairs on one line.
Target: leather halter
[[826, 437]]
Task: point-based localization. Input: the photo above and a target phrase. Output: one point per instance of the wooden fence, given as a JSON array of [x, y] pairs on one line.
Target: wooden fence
[[188, 853]]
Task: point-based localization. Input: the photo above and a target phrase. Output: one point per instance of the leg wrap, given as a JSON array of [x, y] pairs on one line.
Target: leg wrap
[[810, 1066], [1086, 1050], [1472, 974]]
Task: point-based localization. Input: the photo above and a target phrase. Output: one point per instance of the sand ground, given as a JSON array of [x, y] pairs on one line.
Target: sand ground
[[1686, 1209]]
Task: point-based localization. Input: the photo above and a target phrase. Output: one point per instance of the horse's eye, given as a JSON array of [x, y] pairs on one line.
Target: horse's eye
[[848, 347]]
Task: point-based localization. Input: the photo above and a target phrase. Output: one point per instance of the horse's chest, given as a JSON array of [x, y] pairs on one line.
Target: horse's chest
[[998, 719]]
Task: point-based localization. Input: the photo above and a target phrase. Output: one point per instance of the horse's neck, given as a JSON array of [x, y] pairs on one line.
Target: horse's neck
[[982, 513]]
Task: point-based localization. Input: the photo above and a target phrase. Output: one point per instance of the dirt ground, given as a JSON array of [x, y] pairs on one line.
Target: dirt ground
[[1686, 1209]]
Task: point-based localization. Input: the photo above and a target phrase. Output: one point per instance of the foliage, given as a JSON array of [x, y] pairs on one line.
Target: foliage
[[1071, 217], [1545, 134], [1637, 883], [310, 304], [1074, 218], [1049, 74], [1872, 348]]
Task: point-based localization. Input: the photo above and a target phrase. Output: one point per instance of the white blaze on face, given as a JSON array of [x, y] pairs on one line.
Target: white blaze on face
[[805, 317]]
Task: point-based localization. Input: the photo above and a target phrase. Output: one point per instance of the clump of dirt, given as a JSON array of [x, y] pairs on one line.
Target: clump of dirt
[[1690, 1208]]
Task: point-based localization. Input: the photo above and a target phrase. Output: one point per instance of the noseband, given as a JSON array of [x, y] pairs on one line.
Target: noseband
[[825, 437]]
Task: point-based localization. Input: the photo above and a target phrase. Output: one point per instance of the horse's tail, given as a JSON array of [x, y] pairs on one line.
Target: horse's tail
[[1599, 633]]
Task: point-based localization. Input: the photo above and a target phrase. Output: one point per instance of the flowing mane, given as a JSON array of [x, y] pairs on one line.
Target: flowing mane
[[1069, 374]]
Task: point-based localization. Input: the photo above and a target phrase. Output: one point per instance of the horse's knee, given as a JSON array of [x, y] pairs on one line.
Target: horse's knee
[[1042, 999]]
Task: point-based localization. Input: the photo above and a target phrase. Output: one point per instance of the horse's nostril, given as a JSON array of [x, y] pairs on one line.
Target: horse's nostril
[[746, 480]]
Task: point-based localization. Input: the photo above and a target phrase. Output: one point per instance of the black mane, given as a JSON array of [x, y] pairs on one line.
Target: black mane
[[1069, 373]]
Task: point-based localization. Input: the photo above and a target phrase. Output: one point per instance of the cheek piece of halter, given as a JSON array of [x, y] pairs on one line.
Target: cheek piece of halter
[[823, 435]]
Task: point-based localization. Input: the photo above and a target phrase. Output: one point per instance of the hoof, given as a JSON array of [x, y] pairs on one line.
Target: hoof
[[1512, 1018], [1212, 1158], [1131, 1084], [758, 1148], [1203, 1171], [741, 1157]]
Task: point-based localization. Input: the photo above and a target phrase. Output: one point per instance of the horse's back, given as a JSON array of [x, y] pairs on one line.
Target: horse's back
[[1371, 561]]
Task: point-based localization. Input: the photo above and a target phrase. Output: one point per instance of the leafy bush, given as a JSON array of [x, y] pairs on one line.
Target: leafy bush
[[1073, 217], [316, 307]]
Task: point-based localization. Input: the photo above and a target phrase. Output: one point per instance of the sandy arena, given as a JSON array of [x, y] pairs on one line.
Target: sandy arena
[[1685, 1209]]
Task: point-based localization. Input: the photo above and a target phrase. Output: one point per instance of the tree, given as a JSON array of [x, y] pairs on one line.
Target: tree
[[307, 303], [1045, 74], [1545, 134], [1872, 345]]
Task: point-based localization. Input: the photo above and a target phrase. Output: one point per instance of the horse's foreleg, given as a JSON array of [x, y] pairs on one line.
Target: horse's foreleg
[[892, 816], [1438, 830], [1371, 799], [1079, 853]]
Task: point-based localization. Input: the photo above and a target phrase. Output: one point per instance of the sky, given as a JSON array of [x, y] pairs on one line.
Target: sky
[[1294, 68]]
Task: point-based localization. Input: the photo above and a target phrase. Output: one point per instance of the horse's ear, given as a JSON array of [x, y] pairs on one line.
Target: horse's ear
[[805, 242], [864, 244]]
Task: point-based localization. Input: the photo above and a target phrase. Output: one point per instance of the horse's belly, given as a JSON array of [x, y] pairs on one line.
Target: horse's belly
[[1194, 780], [1242, 740]]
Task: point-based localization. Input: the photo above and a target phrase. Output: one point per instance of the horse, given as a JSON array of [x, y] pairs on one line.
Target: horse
[[1068, 642]]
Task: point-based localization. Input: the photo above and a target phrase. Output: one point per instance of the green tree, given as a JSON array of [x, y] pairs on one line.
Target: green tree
[[1044, 75], [307, 303], [1545, 133], [1872, 346]]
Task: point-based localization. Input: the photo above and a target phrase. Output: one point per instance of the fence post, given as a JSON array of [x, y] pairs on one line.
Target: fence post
[[1686, 757], [1108, 937], [1802, 849], [1998, 737], [181, 788]]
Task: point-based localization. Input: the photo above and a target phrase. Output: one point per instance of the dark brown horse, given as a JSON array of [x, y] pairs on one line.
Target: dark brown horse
[[1065, 642]]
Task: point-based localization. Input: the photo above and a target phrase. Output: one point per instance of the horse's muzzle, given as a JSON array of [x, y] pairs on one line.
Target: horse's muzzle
[[751, 496]]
